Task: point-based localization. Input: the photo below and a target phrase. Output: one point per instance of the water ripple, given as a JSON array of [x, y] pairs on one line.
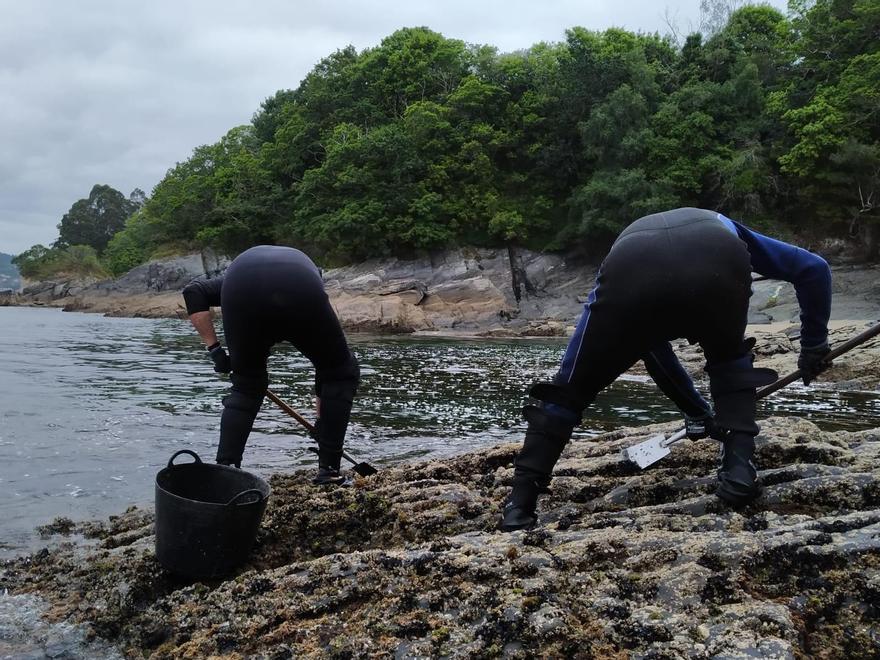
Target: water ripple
[[91, 407]]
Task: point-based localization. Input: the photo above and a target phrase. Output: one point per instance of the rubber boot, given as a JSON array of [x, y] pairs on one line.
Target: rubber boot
[[239, 411], [546, 437], [328, 465], [328, 476], [737, 476], [733, 390], [336, 402], [520, 507]]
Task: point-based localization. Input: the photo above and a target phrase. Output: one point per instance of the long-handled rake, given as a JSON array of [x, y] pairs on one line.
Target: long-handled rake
[[363, 469], [658, 446]]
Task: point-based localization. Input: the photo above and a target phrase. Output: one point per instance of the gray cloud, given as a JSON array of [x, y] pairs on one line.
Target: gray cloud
[[117, 92]]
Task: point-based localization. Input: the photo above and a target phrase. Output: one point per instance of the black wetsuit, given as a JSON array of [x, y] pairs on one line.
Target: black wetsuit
[[669, 275], [271, 294], [684, 273]]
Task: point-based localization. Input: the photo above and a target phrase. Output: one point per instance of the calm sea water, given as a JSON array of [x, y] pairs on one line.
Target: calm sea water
[[92, 407]]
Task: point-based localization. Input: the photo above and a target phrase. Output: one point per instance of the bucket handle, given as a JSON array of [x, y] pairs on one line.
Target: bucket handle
[[258, 492], [183, 451]]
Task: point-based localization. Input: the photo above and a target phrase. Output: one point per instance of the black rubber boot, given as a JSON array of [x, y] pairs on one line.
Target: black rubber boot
[[240, 408], [733, 390], [337, 391], [328, 476], [545, 439], [737, 476], [520, 507], [328, 466]]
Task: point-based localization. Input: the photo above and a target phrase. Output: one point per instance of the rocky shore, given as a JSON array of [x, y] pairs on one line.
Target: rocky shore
[[407, 563], [481, 292], [495, 292]]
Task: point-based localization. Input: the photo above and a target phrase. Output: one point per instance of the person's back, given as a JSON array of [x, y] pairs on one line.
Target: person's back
[[271, 294], [680, 273]]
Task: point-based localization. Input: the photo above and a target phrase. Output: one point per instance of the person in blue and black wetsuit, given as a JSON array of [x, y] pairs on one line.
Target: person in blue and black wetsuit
[[268, 295], [684, 273]]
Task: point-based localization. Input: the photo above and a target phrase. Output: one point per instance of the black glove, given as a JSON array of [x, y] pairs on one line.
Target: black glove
[[812, 361], [222, 365], [697, 428], [315, 433]]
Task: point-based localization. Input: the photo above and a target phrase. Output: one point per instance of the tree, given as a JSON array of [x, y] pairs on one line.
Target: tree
[[832, 110], [132, 246], [30, 261], [424, 142], [94, 221], [714, 14]]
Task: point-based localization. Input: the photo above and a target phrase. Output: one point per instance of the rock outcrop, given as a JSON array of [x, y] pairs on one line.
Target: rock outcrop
[[461, 290], [464, 291], [407, 563]]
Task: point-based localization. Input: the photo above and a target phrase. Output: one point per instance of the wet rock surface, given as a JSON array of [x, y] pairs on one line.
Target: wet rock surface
[[777, 347], [472, 291], [407, 563], [467, 291]]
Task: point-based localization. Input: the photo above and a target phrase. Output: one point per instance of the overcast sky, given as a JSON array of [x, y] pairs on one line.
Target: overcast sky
[[117, 91]]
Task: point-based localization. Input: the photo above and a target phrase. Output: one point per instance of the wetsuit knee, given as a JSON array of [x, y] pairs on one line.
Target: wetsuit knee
[[561, 402], [733, 386], [240, 407], [340, 383], [250, 385], [247, 403]]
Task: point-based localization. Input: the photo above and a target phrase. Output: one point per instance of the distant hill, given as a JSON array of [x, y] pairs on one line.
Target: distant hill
[[9, 277]]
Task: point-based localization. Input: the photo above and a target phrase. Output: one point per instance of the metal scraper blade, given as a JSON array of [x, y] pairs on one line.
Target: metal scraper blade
[[648, 452]]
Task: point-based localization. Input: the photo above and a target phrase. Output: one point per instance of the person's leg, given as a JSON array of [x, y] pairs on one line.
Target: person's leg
[[319, 337], [246, 332], [603, 347], [248, 354], [714, 287], [336, 389], [732, 382]]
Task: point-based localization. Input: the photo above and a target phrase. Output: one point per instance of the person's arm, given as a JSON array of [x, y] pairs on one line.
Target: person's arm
[[808, 272], [203, 322], [663, 366], [199, 297], [202, 295]]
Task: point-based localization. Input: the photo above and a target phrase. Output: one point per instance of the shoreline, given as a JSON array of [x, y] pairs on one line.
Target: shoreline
[[407, 562], [459, 293]]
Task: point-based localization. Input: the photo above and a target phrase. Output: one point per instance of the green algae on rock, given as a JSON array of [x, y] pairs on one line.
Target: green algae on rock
[[408, 563]]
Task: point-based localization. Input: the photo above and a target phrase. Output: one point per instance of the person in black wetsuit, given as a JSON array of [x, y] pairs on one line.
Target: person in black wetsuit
[[268, 295], [684, 273]]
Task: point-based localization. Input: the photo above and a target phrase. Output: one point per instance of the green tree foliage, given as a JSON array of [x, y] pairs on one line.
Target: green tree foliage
[[831, 108], [94, 220], [29, 261], [425, 142], [222, 196], [41, 263], [132, 246]]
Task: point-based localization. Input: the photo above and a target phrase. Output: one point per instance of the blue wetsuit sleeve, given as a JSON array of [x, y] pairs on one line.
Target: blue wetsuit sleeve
[[202, 295], [808, 272], [674, 381]]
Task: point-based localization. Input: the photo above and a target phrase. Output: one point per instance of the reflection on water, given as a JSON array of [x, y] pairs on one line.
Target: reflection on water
[[26, 634], [91, 407]]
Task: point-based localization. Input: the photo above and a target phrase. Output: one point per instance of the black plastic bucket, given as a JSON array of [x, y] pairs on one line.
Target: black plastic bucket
[[207, 516]]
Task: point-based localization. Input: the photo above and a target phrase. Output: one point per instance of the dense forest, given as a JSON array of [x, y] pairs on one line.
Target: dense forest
[[425, 142]]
